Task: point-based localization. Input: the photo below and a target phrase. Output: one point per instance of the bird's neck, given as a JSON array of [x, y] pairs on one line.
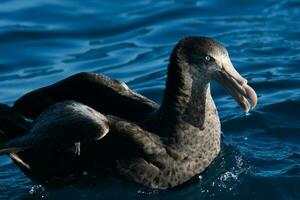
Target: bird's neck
[[186, 100]]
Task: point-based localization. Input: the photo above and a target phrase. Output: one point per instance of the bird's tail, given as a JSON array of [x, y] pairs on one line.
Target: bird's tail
[[12, 126], [8, 150], [14, 145]]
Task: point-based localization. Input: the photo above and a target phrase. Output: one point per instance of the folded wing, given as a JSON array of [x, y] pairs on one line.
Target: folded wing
[[101, 93]]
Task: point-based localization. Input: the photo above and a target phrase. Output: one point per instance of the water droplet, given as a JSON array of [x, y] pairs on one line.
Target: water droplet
[[38, 191], [247, 114], [85, 173]]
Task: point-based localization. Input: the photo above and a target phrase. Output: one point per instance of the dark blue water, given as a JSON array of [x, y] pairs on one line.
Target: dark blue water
[[43, 41]]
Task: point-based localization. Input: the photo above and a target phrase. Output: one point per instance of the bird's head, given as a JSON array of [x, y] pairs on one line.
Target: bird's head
[[209, 60]]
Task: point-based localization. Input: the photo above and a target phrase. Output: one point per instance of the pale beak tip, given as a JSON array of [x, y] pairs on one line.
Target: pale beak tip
[[251, 95]]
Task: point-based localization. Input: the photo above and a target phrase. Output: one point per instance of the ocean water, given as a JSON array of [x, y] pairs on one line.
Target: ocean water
[[43, 41]]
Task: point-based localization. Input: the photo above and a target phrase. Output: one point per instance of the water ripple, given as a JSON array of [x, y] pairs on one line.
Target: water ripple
[[43, 41]]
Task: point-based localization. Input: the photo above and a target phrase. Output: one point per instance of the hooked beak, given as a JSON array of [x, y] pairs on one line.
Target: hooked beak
[[236, 86]]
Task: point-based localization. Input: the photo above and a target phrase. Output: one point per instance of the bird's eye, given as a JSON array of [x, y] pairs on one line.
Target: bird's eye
[[207, 58]]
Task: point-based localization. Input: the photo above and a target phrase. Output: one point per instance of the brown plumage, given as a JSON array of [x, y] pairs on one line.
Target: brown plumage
[[157, 146]]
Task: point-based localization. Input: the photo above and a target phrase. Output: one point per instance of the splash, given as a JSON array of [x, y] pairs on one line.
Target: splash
[[37, 192]]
